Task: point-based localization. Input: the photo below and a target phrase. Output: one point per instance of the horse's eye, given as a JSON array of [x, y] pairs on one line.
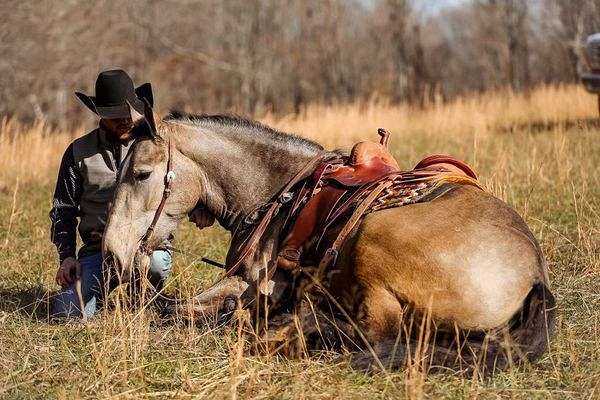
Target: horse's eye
[[142, 176]]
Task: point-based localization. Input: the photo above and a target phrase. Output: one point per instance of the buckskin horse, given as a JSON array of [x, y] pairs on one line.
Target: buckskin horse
[[447, 258]]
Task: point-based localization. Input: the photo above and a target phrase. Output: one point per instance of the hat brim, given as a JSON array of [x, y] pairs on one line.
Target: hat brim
[[122, 110]]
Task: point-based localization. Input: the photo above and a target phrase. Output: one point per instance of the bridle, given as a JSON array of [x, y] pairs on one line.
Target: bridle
[[168, 180], [257, 233]]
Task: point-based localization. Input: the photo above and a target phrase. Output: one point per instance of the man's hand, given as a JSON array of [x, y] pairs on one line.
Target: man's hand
[[201, 217], [68, 272]]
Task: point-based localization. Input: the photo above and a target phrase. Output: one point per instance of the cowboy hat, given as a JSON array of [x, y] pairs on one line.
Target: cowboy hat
[[115, 94]]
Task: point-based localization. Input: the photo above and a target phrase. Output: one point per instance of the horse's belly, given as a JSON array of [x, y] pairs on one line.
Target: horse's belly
[[470, 272]]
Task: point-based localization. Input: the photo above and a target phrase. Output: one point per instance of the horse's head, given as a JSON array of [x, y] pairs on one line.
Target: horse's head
[[229, 165], [139, 194]]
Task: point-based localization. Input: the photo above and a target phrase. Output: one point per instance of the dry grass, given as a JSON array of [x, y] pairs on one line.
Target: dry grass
[[539, 152]]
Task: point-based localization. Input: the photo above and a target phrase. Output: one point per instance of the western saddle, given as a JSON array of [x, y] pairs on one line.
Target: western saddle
[[337, 193], [368, 180]]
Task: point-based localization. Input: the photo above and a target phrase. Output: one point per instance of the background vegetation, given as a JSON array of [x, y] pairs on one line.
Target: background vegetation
[[261, 56], [538, 151], [488, 81]]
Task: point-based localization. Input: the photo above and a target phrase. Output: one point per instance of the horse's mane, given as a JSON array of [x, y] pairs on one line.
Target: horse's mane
[[242, 124]]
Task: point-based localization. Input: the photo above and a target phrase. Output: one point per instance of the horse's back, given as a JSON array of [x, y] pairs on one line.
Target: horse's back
[[466, 256]]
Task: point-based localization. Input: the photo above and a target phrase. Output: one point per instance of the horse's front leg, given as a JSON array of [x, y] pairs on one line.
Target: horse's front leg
[[251, 285], [211, 305], [259, 267]]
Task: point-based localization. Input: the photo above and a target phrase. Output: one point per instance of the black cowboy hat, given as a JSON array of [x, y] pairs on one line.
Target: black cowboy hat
[[115, 94]]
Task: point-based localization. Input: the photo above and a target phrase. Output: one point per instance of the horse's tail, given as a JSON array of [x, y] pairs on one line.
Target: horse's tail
[[525, 338]]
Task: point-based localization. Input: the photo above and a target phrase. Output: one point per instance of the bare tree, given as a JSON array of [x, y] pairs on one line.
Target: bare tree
[[514, 18], [257, 56]]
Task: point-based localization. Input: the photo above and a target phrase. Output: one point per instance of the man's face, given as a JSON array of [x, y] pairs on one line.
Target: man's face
[[118, 128]]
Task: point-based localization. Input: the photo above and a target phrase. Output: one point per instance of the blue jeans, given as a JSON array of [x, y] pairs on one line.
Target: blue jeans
[[94, 285]]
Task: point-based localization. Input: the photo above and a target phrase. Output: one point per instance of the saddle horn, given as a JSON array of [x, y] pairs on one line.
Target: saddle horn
[[385, 137]]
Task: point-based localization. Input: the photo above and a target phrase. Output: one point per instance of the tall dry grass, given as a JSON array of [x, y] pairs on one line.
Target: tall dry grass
[[476, 115], [34, 151], [540, 152]]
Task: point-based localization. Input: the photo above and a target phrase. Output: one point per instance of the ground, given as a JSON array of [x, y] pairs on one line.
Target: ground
[[539, 152]]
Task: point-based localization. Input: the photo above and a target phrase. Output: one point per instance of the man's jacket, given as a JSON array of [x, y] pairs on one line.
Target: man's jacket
[[85, 186]]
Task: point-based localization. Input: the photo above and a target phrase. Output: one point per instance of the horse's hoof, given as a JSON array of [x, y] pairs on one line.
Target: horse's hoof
[[229, 305]]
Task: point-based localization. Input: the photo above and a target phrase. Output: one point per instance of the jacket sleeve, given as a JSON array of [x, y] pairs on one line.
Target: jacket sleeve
[[65, 206]]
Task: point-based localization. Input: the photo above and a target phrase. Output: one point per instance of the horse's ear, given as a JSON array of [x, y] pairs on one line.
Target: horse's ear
[[149, 117], [134, 114]]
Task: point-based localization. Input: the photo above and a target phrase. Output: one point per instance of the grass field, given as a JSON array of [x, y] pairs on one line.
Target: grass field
[[539, 152]]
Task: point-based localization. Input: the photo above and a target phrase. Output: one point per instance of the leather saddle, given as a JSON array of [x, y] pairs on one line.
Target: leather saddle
[[335, 185], [368, 162]]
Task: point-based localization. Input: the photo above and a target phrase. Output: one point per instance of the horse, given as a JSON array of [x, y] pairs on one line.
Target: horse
[[462, 271]]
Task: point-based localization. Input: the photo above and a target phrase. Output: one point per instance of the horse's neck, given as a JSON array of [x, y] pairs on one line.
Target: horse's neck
[[240, 173]]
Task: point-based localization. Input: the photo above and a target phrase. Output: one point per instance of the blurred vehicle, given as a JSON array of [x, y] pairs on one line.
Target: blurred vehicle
[[591, 75]]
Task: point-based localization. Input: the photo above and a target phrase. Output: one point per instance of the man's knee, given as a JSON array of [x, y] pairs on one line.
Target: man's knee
[[69, 302], [160, 267], [87, 295]]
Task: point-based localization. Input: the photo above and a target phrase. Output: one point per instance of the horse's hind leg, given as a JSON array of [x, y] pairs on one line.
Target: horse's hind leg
[[525, 339], [400, 336], [381, 321]]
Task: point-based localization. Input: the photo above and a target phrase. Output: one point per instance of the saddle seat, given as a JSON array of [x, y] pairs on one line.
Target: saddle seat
[[368, 162]]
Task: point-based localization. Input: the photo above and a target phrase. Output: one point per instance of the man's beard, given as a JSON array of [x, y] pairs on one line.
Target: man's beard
[[120, 132], [124, 129]]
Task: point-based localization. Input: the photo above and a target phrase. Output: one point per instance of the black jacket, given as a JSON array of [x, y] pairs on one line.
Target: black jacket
[[85, 185]]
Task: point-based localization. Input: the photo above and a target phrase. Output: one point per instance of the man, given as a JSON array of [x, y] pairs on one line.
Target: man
[[84, 188]]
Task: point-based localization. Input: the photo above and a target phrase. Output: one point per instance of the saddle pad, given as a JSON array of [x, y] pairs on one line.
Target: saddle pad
[[404, 193], [407, 188]]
